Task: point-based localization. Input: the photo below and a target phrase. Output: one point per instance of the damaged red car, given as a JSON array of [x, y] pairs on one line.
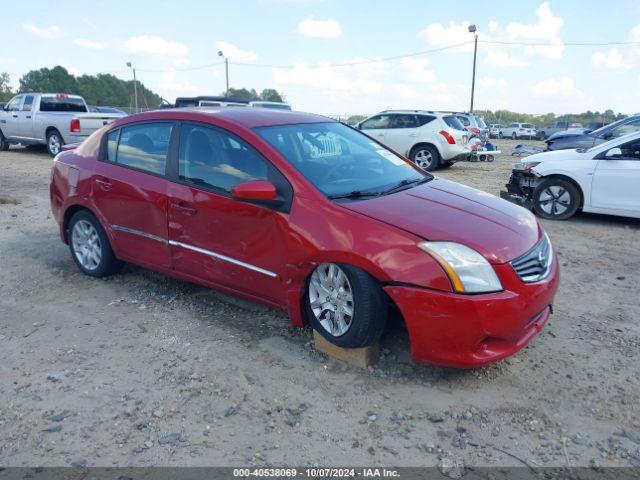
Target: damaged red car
[[310, 216]]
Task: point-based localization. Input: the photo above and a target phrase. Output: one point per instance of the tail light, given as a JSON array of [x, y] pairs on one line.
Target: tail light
[[475, 131], [447, 136], [75, 125]]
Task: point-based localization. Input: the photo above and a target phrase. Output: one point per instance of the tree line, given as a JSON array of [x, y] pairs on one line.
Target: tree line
[[104, 89]]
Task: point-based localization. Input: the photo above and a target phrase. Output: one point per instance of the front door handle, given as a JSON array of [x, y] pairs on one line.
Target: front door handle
[[185, 208], [104, 184], [15, 115]]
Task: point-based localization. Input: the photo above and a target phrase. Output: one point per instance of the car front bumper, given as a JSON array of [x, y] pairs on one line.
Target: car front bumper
[[520, 188], [468, 331]]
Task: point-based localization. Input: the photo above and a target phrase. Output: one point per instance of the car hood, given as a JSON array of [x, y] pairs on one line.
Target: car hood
[[553, 155], [448, 211], [570, 135]]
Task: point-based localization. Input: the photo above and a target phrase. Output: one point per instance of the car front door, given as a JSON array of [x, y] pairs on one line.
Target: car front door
[[402, 133], [215, 237], [25, 120], [10, 121], [129, 191], [377, 127], [616, 181]]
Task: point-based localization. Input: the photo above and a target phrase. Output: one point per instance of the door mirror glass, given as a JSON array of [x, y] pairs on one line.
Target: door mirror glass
[[256, 190], [613, 153]]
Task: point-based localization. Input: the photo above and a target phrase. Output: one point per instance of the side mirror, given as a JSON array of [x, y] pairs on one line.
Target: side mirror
[[256, 190], [613, 153]]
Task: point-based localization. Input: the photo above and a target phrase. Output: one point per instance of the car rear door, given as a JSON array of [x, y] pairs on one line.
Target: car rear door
[[377, 127], [402, 133], [616, 180], [129, 191], [213, 236], [25, 122]]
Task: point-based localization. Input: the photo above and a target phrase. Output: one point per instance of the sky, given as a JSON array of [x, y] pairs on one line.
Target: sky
[[527, 58]]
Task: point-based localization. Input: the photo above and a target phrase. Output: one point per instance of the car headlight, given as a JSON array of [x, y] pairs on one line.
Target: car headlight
[[468, 271], [524, 166]]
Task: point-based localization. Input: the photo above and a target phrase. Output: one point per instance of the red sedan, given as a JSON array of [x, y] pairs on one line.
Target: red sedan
[[312, 217]]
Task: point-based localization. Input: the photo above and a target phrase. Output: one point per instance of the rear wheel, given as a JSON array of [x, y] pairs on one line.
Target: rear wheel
[[500, 135], [556, 199], [54, 142], [90, 247], [446, 164], [426, 157], [345, 305]]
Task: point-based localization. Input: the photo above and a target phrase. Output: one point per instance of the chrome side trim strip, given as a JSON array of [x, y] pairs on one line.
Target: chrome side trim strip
[[139, 233], [224, 258]]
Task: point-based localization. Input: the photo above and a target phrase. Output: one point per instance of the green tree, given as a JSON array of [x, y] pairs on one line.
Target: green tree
[[5, 87], [243, 93], [271, 95], [56, 79]]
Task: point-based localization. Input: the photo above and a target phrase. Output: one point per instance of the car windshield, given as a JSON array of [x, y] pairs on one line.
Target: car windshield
[[340, 161], [608, 127]]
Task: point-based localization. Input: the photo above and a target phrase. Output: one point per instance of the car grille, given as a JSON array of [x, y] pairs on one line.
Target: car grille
[[535, 265]]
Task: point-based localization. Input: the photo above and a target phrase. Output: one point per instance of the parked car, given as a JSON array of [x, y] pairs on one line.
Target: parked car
[[601, 179], [495, 130], [430, 139], [97, 109], [519, 130], [567, 140], [51, 119], [474, 124], [2, 104], [312, 217], [555, 127], [276, 105]]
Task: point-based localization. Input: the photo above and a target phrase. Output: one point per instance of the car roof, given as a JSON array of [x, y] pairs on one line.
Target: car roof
[[246, 117]]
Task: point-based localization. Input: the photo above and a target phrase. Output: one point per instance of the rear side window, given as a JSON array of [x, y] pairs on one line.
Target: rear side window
[[28, 103], [403, 121], [62, 103], [424, 119], [141, 146], [453, 122]]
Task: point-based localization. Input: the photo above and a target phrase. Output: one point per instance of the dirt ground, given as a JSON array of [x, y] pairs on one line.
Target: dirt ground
[[142, 369]]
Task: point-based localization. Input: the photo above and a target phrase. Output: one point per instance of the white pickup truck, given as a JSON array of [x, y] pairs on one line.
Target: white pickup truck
[[51, 119]]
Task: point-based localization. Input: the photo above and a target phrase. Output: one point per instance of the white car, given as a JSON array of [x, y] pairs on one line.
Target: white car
[[495, 130], [519, 130], [602, 179], [429, 139]]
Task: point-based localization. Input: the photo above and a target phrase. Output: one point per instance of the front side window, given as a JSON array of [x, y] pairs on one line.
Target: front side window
[[630, 150], [142, 146], [212, 158], [377, 122], [14, 104], [339, 160]]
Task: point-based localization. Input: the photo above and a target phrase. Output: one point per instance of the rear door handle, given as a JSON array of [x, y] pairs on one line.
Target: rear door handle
[[185, 208], [15, 115], [413, 134], [104, 184]]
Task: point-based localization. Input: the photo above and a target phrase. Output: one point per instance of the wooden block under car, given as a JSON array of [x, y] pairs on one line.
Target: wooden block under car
[[360, 357]]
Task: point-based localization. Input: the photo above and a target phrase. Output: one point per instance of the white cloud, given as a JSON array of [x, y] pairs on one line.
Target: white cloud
[[491, 82], [90, 44], [236, 53], [417, 70], [440, 35], [502, 59], [89, 23], [561, 88], [405, 91], [319, 28], [546, 30], [156, 45], [49, 33], [493, 26], [170, 86], [612, 59], [75, 71], [323, 77]]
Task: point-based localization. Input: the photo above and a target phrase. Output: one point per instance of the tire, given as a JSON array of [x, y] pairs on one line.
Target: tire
[[426, 157], [54, 142], [500, 135], [4, 144], [90, 247], [514, 136], [541, 136], [446, 164], [556, 199], [368, 305]]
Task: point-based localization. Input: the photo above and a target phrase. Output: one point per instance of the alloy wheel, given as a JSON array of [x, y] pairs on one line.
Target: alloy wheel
[[423, 158], [86, 245], [54, 144], [331, 299], [554, 200]]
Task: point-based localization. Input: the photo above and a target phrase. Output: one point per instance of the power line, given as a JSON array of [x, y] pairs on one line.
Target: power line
[[558, 44]]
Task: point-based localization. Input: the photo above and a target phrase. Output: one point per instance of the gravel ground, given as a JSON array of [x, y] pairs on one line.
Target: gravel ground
[[142, 369]]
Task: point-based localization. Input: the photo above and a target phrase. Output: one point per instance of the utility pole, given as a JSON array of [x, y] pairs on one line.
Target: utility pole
[[226, 71], [472, 29], [135, 86]]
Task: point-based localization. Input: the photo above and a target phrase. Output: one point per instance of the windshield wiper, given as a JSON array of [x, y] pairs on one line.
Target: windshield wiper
[[354, 194], [404, 183]]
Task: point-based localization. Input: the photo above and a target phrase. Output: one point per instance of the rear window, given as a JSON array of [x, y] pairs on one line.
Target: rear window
[[527, 125], [62, 103], [480, 122], [453, 122], [141, 146]]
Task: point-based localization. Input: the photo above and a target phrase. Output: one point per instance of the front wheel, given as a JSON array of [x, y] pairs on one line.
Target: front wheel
[[4, 144], [345, 305], [90, 247], [556, 199], [426, 157], [54, 142], [514, 136]]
